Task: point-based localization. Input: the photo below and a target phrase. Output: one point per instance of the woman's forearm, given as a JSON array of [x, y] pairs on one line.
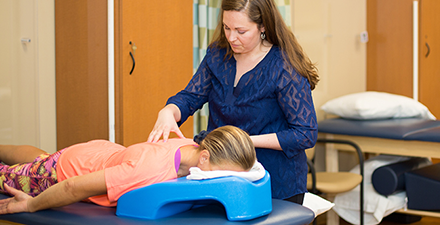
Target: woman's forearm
[[69, 191], [174, 110], [266, 141]]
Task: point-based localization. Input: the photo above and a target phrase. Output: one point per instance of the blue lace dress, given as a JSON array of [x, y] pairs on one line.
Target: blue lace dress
[[267, 99]]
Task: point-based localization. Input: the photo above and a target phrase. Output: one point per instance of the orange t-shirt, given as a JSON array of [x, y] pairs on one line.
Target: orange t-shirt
[[126, 169]]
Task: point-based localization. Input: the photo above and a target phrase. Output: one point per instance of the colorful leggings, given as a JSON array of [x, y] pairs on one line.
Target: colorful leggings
[[31, 178]]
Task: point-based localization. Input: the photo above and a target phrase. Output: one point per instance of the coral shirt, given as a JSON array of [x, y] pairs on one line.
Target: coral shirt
[[126, 169]]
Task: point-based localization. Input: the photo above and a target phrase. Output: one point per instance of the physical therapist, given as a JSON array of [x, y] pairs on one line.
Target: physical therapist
[[257, 77]]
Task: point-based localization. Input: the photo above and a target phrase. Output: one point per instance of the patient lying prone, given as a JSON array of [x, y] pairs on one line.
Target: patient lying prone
[[102, 171]]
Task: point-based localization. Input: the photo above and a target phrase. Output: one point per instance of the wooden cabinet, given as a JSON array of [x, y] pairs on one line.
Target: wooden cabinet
[[390, 49], [429, 55], [81, 71], [161, 31]]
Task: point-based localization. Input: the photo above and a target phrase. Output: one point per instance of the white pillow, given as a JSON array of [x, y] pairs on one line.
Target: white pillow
[[376, 105], [317, 204]]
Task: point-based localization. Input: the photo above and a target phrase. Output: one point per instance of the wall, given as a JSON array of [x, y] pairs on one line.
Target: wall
[[329, 31], [46, 74], [27, 74]]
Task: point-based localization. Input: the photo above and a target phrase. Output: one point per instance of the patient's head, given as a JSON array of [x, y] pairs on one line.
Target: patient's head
[[229, 148]]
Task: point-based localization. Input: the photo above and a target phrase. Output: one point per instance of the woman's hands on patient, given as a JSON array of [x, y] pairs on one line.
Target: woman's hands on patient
[[18, 203], [166, 123]]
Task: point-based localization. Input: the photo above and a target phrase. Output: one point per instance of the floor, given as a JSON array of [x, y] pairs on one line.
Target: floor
[[321, 220]]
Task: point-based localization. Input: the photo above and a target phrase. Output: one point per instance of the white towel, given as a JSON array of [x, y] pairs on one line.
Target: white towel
[[317, 204], [257, 172]]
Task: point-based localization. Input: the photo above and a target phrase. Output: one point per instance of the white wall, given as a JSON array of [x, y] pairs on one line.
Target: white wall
[[329, 31], [27, 73]]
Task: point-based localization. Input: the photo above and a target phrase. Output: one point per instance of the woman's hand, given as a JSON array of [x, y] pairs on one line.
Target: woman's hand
[[16, 204], [166, 123]]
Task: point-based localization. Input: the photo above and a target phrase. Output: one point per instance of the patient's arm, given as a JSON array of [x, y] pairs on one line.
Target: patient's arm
[[64, 193]]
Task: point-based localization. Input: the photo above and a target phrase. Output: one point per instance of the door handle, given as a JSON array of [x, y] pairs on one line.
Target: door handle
[[429, 50], [132, 56], [134, 63], [25, 40]]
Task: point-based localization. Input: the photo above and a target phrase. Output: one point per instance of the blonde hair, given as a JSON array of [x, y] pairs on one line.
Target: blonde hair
[[265, 14], [229, 144]]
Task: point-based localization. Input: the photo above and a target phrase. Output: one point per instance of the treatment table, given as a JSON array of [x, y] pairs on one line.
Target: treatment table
[[404, 137], [283, 212], [220, 200]]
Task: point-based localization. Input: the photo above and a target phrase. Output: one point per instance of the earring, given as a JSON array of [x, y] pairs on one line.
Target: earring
[[263, 35]]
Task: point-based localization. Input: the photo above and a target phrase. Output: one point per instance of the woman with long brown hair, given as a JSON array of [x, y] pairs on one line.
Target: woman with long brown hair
[[257, 77]]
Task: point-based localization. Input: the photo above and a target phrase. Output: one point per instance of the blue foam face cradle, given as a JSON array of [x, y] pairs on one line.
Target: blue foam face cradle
[[242, 199]]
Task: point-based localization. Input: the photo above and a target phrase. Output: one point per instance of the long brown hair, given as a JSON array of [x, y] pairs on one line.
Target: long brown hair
[[265, 14]]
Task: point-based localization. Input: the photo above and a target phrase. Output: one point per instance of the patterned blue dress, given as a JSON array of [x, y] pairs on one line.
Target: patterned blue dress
[[267, 99]]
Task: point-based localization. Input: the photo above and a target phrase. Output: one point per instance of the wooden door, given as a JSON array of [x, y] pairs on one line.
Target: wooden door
[[81, 71], [429, 55], [389, 49], [161, 30]]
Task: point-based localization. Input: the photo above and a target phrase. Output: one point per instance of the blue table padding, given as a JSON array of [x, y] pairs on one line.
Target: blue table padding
[[401, 129], [283, 212], [429, 134], [242, 199]]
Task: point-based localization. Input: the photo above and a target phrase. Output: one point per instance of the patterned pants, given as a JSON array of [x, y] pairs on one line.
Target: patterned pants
[[31, 178]]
